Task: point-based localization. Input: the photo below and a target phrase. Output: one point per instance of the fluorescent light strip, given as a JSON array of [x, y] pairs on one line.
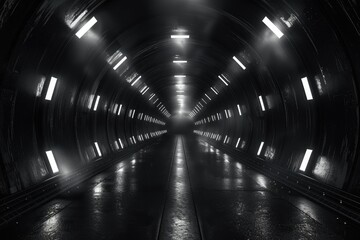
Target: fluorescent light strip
[[229, 113], [180, 76], [225, 139], [226, 114], [223, 76], [152, 96], [305, 160], [180, 36], [179, 61], [86, 27], [52, 162], [96, 102], [226, 84], [237, 143], [135, 81], [262, 103], [119, 63], [119, 111], [77, 20], [272, 27], [145, 91], [307, 89], [116, 145], [98, 149], [133, 113], [260, 148], [214, 90], [240, 63], [238, 106], [115, 108], [51, 89]]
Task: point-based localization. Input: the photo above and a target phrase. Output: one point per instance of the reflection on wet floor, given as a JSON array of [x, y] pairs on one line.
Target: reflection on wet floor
[[179, 220], [181, 188]]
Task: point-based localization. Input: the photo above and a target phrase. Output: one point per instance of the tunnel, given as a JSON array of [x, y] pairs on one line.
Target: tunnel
[[179, 119]]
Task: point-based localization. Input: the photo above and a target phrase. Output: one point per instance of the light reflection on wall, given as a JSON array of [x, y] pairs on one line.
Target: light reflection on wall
[[40, 87], [322, 167], [269, 153]]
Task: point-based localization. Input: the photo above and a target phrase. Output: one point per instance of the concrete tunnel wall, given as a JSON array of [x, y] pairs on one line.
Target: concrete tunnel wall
[[320, 42]]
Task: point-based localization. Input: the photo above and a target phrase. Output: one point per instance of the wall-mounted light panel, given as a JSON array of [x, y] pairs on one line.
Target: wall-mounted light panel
[[87, 26], [51, 89], [305, 160], [272, 27], [52, 161], [97, 149]]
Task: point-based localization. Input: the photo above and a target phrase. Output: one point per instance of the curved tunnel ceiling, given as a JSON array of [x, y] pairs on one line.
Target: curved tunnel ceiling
[[241, 84]]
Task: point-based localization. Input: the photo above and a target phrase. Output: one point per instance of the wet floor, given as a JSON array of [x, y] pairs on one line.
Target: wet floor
[[180, 188]]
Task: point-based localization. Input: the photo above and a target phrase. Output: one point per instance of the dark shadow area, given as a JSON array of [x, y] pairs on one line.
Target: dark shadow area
[[180, 125]]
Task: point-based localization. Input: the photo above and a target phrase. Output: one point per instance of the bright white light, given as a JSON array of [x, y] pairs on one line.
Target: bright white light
[[240, 63], [180, 91], [77, 20], [223, 76], [179, 61], [239, 109], [306, 159], [86, 27], [262, 103], [116, 145], [97, 149], [96, 103], [214, 90], [260, 148], [119, 111], [225, 139], [151, 96], [226, 84], [226, 113], [134, 82], [51, 88], [51, 158], [237, 143], [180, 36], [133, 113], [145, 91], [180, 86], [180, 76], [207, 96], [119, 63], [115, 108], [272, 27], [307, 89]]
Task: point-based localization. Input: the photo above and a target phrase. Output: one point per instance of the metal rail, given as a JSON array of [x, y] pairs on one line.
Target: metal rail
[[344, 203], [21, 202]]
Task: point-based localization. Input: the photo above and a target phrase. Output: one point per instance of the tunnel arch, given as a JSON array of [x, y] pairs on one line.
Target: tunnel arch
[[40, 44]]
